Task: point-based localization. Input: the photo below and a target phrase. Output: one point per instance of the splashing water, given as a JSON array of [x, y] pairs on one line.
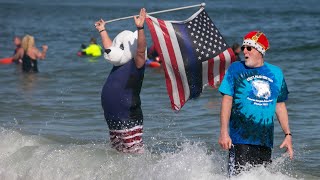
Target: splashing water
[[34, 157]]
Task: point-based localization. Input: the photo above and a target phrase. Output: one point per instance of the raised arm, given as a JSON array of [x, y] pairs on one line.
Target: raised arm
[[106, 41], [43, 53], [141, 48]]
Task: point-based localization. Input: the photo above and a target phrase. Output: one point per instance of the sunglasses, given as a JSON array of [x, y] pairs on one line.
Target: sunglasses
[[249, 48]]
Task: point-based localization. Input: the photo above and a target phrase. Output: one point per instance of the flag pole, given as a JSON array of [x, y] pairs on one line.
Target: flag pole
[[157, 12]]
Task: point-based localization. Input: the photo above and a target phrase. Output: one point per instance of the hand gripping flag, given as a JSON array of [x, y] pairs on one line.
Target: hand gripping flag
[[194, 54]]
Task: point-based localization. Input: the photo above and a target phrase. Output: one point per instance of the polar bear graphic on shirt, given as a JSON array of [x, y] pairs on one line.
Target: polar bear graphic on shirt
[[261, 89]]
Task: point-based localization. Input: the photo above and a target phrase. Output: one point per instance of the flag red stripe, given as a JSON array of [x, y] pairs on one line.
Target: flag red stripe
[[210, 72], [233, 57], [158, 49], [222, 66], [173, 60]]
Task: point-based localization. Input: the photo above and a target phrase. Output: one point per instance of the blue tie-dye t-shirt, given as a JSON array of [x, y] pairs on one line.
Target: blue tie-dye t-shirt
[[255, 92]]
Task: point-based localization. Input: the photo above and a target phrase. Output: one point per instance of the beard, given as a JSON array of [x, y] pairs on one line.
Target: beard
[[249, 63]]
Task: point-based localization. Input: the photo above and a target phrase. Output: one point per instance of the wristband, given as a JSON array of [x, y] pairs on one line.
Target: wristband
[[288, 134], [139, 28], [102, 30]]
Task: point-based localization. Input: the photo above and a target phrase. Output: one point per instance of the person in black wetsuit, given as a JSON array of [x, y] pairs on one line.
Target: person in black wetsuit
[[29, 54], [120, 96]]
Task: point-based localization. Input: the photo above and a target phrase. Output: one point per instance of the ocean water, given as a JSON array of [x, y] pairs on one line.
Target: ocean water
[[52, 124]]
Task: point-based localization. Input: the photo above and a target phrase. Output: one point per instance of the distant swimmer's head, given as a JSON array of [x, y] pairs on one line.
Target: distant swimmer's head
[[123, 49], [17, 41], [236, 48], [93, 40], [27, 42]]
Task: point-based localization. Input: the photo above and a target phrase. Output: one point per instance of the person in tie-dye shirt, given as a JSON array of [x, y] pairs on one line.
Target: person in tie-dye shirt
[[253, 92]]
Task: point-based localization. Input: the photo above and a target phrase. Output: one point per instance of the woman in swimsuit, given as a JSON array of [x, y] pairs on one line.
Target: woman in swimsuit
[[29, 54]]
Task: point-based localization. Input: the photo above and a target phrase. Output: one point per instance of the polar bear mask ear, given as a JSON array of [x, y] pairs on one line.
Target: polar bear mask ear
[[123, 49]]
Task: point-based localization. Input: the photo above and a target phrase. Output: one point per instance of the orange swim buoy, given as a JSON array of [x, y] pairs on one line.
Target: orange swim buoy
[[154, 64], [7, 60]]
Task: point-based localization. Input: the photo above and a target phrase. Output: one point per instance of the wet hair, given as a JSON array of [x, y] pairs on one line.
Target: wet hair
[[27, 42], [93, 40], [235, 46], [17, 37], [17, 40]]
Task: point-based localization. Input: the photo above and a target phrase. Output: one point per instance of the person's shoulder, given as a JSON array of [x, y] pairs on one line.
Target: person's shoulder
[[20, 49], [276, 70], [94, 45], [33, 48], [273, 67], [236, 65]]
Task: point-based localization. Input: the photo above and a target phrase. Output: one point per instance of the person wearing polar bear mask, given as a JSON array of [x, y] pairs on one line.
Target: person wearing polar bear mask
[[120, 97], [123, 49]]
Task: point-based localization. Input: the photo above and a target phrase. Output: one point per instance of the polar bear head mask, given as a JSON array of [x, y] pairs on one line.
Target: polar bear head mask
[[123, 49]]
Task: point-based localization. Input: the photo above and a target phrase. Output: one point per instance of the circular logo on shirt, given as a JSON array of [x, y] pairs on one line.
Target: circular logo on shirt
[[261, 89]]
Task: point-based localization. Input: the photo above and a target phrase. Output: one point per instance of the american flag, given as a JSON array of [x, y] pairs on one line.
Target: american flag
[[194, 54]]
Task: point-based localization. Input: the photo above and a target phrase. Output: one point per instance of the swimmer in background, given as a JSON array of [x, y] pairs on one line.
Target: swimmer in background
[[153, 54], [29, 54], [93, 49], [236, 49], [17, 43]]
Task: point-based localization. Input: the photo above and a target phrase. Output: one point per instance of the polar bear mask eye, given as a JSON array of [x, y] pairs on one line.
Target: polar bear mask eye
[[123, 48]]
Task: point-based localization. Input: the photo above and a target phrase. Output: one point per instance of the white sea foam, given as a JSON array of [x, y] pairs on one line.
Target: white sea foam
[[33, 157]]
